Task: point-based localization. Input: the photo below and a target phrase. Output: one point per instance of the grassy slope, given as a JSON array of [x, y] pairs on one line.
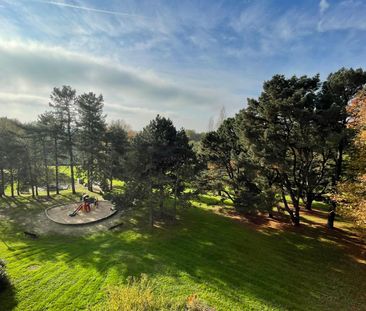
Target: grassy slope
[[230, 265]]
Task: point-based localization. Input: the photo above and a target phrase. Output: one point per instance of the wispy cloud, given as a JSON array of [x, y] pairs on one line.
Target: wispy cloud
[[31, 70], [346, 15], [323, 6], [170, 57], [89, 9]]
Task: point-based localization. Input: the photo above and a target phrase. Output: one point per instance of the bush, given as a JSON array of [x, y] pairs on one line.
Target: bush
[[3, 276], [140, 294], [194, 304], [137, 295]]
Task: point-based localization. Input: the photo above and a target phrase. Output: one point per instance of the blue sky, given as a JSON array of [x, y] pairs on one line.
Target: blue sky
[[181, 59]]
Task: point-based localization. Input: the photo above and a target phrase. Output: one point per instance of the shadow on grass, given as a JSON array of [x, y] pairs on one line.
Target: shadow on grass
[[40, 202], [8, 300], [302, 270]]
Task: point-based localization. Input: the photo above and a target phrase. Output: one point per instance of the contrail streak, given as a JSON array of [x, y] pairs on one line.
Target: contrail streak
[[72, 6]]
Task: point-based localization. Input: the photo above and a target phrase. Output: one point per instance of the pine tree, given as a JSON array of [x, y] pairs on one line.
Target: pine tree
[[91, 133], [284, 133], [116, 147], [63, 103]]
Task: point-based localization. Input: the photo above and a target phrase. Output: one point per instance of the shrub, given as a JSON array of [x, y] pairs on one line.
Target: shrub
[[194, 304], [3, 276], [140, 294]]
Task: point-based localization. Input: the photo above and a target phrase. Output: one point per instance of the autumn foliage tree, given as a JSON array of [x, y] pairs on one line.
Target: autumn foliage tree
[[352, 191]]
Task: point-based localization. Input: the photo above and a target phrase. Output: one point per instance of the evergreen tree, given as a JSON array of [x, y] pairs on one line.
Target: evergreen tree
[[11, 152], [160, 161], [233, 172], [63, 103], [116, 146], [53, 130], [91, 134], [282, 130]]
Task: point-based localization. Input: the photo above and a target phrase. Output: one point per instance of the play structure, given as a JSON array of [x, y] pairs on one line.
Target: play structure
[[86, 205], [80, 213]]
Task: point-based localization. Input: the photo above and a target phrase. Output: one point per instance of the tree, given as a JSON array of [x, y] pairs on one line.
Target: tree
[[160, 161], [282, 130], [116, 145], [52, 132], [232, 171], [351, 192], [337, 92], [63, 103], [91, 132], [11, 153]]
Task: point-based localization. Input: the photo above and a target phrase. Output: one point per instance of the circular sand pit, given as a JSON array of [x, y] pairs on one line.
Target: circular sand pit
[[60, 214]]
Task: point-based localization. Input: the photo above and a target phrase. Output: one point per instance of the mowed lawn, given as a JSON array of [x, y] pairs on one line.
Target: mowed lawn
[[228, 264]]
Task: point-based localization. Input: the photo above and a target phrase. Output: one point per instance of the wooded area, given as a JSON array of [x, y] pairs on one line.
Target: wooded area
[[301, 140]]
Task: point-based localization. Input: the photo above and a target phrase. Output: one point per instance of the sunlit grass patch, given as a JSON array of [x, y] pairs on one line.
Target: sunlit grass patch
[[228, 265]]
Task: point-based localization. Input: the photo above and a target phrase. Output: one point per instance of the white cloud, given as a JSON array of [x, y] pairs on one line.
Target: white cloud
[[346, 15], [90, 9], [31, 70], [323, 6]]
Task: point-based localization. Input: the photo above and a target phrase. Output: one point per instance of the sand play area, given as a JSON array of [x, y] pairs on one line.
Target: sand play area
[[60, 214]]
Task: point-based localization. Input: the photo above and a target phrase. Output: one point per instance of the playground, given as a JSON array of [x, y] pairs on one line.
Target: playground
[[78, 214]]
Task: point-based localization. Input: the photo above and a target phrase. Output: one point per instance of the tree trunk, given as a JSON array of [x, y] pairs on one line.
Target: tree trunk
[[72, 177], [339, 162], [2, 185], [297, 213], [331, 215], [175, 199], [309, 201], [161, 203], [90, 179], [330, 222], [151, 215], [12, 183], [111, 184], [295, 217], [46, 168], [18, 184], [56, 164], [71, 155], [37, 191], [31, 179], [151, 210]]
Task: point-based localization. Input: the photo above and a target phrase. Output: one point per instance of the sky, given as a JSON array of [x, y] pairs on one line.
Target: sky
[[181, 59]]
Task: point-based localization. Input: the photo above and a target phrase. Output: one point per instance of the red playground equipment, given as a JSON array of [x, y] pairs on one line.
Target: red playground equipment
[[85, 206]]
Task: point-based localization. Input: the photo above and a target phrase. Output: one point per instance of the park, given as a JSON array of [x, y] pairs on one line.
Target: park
[[182, 155], [94, 216]]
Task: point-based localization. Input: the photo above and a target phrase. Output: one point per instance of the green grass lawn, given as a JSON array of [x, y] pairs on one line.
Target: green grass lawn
[[229, 265]]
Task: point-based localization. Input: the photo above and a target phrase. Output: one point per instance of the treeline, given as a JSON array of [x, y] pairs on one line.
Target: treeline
[[155, 164], [293, 144], [72, 133]]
